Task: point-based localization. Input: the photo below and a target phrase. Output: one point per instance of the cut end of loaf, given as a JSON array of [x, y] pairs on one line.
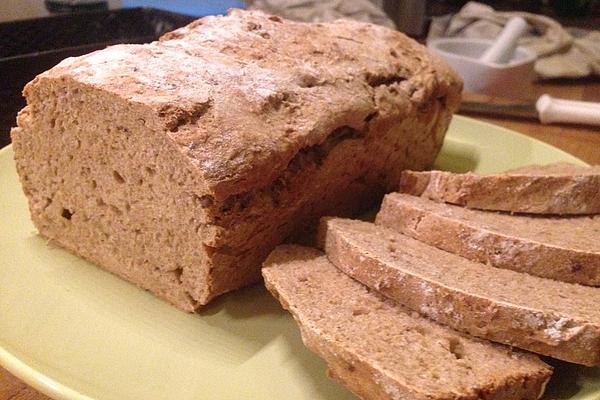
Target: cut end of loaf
[[108, 188]]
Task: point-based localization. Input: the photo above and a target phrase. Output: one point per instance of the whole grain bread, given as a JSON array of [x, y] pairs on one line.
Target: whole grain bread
[[559, 188], [180, 164], [565, 248], [381, 350], [553, 318]]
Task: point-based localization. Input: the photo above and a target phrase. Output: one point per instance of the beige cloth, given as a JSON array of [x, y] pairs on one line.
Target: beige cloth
[[562, 53], [325, 10]]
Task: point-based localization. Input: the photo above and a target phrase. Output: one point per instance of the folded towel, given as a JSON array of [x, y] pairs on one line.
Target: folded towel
[[562, 52], [324, 10]]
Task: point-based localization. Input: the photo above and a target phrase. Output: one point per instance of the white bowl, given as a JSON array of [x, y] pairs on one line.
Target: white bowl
[[512, 79]]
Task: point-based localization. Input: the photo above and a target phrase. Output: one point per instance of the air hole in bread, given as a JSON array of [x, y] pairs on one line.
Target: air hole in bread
[[47, 202], [308, 80], [118, 177], [150, 171], [178, 272], [359, 311], [442, 100], [375, 80], [66, 214], [116, 210], [371, 116], [456, 348], [252, 26]]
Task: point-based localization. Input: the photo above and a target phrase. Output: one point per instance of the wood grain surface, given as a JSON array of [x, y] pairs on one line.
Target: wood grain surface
[[583, 142]]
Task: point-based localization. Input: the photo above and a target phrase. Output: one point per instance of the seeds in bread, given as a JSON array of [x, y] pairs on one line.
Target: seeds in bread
[[559, 188], [381, 350], [565, 248], [553, 318]]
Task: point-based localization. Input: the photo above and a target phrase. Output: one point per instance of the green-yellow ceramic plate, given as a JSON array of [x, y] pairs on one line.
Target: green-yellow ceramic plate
[[74, 331]]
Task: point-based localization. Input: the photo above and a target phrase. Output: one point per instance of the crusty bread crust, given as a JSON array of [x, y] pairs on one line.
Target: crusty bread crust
[[180, 164], [379, 350], [559, 188], [553, 318], [564, 249], [241, 95]]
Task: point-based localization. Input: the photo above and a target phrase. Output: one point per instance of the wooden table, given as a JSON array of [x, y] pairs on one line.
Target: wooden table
[[583, 142]]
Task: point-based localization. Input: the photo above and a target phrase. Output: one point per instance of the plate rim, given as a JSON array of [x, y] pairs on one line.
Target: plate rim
[[56, 390], [36, 379], [522, 136]]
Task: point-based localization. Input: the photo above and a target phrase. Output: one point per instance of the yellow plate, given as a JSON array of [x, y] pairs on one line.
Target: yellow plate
[[74, 331]]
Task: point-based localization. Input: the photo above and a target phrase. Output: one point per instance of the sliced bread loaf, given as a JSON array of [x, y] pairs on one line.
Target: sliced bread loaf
[[380, 350], [566, 249], [559, 188], [554, 318]]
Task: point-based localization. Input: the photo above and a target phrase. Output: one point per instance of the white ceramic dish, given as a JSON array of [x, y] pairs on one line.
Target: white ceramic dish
[[505, 80]]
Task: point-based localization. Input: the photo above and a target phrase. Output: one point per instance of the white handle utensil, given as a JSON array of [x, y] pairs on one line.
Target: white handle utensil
[[547, 110], [501, 51], [551, 110]]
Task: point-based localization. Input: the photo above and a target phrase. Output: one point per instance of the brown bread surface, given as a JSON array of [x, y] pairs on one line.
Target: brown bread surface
[[381, 350], [565, 248], [558, 188], [553, 318], [180, 164]]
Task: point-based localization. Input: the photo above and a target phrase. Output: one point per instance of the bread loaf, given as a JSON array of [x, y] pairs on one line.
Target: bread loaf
[[380, 350], [565, 248], [553, 318], [180, 164], [558, 188]]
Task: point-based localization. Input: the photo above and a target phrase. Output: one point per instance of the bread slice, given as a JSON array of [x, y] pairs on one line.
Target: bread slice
[[566, 249], [549, 317], [559, 188], [380, 350], [180, 164]]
